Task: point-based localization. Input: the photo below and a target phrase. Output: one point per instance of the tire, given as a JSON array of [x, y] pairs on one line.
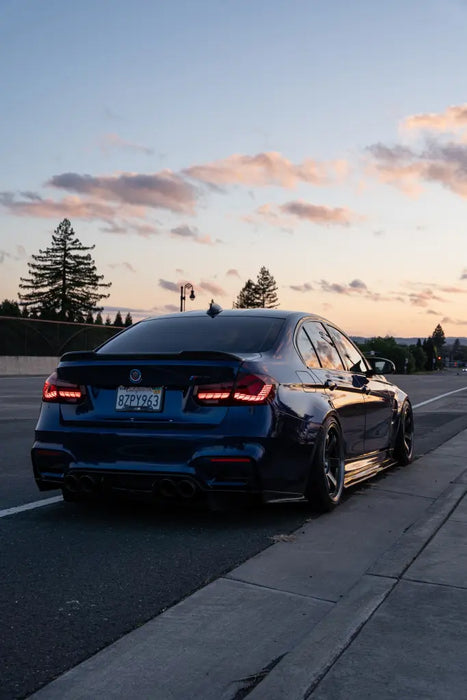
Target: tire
[[326, 481], [404, 442]]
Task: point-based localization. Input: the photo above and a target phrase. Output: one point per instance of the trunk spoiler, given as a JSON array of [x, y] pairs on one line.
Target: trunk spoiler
[[91, 356]]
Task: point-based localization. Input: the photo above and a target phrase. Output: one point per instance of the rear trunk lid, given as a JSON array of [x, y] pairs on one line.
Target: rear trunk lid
[[147, 389]]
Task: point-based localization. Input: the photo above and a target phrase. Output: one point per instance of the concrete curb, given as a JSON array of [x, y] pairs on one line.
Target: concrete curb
[[300, 671], [302, 668], [398, 558]]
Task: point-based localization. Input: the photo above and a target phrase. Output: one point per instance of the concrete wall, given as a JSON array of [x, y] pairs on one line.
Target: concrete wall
[[14, 365]]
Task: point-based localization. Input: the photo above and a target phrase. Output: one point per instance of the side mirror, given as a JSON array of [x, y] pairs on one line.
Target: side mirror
[[380, 365]]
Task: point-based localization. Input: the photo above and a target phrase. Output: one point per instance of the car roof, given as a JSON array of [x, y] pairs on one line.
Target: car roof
[[275, 313]]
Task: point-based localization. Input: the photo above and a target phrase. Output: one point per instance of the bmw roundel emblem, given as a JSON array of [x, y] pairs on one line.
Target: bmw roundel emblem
[[135, 376]]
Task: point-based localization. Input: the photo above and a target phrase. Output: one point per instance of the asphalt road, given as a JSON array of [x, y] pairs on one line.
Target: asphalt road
[[74, 578]]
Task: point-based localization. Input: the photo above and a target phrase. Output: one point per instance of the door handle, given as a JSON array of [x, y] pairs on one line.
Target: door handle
[[330, 384]]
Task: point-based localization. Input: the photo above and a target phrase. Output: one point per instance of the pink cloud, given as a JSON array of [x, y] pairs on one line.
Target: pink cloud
[[170, 286], [165, 189], [424, 298], [212, 288], [451, 119], [269, 168], [69, 207], [305, 287], [124, 265], [407, 169], [454, 321], [192, 233], [285, 215], [125, 227], [319, 214]]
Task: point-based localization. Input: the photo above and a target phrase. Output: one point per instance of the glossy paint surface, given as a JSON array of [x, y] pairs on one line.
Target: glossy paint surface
[[264, 449]]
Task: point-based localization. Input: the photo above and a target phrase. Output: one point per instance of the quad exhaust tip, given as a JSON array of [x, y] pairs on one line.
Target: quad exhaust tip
[[72, 483], [176, 488], [80, 484]]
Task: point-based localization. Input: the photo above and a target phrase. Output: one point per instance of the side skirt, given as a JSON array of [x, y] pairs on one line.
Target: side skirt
[[367, 466]]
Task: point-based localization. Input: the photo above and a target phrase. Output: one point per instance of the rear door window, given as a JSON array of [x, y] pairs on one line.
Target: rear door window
[[306, 349], [322, 342], [353, 359]]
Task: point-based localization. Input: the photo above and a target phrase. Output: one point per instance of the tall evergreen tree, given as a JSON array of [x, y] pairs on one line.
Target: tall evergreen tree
[[118, 321], [438, 336], [63, 280], [247, 299], [89, 318], [266, 290], [128, 320], [99, 321]]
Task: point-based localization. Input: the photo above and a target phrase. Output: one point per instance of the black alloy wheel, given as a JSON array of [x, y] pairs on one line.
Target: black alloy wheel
[[404, 443], [326, 481]]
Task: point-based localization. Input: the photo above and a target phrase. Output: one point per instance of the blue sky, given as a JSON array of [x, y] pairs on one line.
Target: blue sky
[[198, 141]]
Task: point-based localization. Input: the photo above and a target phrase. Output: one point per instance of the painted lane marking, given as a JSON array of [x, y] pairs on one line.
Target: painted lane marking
[[30, 506], [57, 499], [441, 396]]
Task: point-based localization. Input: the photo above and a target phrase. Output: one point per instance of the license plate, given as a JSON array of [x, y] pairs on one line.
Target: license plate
[[139, 398]]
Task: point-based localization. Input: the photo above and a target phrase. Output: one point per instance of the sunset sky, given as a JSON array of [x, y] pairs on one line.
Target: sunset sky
[[198, 140]]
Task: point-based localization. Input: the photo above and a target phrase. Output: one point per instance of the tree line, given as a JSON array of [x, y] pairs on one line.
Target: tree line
[[9, 307], [425, 355], [63, 285]]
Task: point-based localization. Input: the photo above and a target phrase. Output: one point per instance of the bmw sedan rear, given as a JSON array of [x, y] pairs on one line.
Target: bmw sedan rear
[[200, 404]]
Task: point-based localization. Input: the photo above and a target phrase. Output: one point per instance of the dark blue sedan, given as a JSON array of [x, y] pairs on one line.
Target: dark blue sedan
[[276, 405]]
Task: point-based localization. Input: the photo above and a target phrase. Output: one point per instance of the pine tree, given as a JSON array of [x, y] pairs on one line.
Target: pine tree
[[247, 299], [89, 318], [63, 280], [108, 322], [99, 321], [128, 320], [438, 336], [118, 321], [266, 290]]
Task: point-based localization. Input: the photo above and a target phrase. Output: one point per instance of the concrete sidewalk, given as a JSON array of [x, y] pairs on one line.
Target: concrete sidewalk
[[368, 601]]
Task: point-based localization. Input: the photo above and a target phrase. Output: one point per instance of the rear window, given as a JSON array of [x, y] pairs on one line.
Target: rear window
[[184, 333]]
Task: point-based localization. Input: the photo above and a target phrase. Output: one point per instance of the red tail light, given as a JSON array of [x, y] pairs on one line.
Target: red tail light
[[248, 389], [57, 391]]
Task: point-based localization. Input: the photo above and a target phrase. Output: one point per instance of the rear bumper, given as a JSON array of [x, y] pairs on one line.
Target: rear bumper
[[270, 467], [211, 469]]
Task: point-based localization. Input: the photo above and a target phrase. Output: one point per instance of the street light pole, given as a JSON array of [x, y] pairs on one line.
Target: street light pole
[[183, 289]]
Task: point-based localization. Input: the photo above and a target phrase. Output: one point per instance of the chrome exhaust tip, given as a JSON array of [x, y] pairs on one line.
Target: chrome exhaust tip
[[167, 488], [88, 484], [186, 488]]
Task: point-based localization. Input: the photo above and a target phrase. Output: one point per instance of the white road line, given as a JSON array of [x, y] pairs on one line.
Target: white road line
[[57, 499], [30, 506], [441, 396]]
